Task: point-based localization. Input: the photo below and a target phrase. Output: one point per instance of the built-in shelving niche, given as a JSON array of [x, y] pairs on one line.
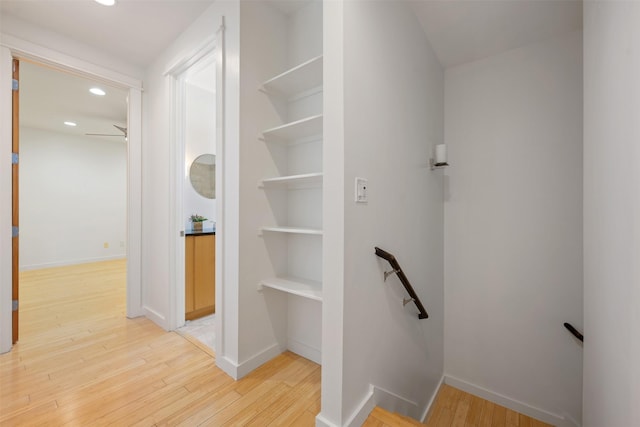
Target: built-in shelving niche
[[295, 190]]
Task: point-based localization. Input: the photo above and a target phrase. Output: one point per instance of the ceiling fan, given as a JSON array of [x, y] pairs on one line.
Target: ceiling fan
[[120, 128]]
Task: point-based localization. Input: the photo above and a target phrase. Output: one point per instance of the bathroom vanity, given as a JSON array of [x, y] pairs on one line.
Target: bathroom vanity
[[200, 273]]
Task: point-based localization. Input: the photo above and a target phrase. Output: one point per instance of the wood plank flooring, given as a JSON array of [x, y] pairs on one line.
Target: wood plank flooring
[[456, 408], [382, 418], [81, 362]]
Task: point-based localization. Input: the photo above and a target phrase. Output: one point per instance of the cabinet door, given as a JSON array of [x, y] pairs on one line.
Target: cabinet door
[[205, 271], [189, 274]]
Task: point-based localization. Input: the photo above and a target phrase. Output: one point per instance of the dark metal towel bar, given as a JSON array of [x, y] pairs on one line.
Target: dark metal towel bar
[[574, 331], [405, 282]]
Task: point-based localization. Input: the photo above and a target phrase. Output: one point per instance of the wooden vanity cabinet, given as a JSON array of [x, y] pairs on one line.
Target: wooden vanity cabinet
[[200, 275]]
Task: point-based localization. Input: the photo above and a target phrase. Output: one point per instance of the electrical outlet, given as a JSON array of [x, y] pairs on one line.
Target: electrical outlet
[[106, 245]]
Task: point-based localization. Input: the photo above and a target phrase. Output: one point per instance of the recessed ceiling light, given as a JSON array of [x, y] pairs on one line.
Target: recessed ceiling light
[[97, 91], [107, 2], [70, 124]]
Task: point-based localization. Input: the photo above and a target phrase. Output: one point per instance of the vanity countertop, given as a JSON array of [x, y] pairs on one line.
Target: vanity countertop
[[205, 231]]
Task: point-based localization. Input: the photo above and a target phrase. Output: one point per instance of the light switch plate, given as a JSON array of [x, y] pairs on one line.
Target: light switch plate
[[362, 190]]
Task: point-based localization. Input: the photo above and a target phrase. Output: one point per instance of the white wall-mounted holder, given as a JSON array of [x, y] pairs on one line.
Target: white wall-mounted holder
[[439, 160]]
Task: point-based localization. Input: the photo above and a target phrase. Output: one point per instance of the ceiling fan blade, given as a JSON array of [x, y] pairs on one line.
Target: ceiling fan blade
[[120, 128]]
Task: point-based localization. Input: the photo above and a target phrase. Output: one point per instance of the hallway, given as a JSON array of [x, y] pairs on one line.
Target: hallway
[[108, 369]]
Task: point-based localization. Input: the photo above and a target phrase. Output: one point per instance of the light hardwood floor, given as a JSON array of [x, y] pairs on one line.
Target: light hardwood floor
[[456, 408], [80, 362]]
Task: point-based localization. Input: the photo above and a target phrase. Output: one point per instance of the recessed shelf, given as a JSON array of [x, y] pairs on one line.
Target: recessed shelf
[[293, 230], [293, 181], [296, 80], [300, 287], [289, 132]]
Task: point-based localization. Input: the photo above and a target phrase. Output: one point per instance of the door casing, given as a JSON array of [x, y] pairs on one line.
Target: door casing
[[16, 48], [176, 76], [15, 211]]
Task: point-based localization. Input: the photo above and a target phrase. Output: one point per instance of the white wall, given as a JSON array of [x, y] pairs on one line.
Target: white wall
[[159, 157], [513, 224], [333, 199], [73, 199], [611, 214], [393, 116]]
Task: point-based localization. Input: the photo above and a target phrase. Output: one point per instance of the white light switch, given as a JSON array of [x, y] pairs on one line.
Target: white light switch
[[362, 190]]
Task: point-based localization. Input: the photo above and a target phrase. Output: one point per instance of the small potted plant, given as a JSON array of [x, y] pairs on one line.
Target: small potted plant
[[196, 222]]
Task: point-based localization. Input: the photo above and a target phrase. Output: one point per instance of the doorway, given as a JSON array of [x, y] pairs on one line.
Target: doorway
[[134, 180], [73, 186], [197, 118], [196, 132]]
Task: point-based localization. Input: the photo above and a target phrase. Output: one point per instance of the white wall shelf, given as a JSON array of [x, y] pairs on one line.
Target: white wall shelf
[[296, 80], [290, 132], [293, 181], [293, 230], [294, 164], [300, 287]]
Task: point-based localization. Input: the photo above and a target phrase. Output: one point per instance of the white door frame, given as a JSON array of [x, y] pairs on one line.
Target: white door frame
[[176, 74], [15, 47]]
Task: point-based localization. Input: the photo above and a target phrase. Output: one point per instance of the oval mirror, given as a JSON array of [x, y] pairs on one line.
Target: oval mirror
[[202, 174]]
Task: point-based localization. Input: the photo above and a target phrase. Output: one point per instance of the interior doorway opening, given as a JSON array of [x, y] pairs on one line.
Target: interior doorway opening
[[196, 131], [20, 51], [72, 194]]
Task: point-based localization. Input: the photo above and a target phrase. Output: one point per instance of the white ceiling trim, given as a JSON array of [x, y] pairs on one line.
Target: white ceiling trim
[[23, 49], [181, 65]]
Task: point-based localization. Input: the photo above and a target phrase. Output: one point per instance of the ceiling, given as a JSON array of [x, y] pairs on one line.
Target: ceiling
[[136, 31], [459, 30], [466, 30], [49, 97]]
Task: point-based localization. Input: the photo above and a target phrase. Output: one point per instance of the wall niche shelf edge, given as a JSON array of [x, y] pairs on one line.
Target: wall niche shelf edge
[[290, 132], [296, 80], [293, 230], [293, 181], [295, 286]]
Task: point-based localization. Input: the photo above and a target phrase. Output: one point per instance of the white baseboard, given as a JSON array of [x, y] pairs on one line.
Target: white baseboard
[[155, 317], [260, 358], [359, 416], [521, 407], [377, 396], [239, 370], [305, 351], [323, 422], [395, 403], [427, 411], [70, 262], [228, 366]]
